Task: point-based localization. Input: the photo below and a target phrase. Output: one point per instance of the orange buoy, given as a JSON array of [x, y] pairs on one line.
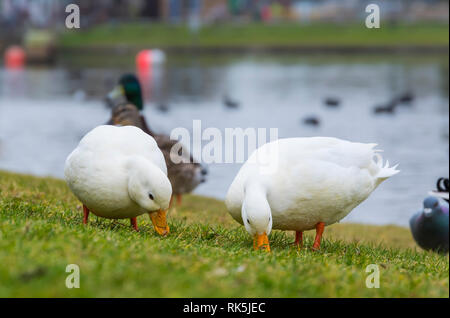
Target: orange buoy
[[145, 59], [15, 57]]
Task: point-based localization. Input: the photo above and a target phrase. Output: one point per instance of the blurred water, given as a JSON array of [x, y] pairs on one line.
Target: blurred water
[[45, 112]]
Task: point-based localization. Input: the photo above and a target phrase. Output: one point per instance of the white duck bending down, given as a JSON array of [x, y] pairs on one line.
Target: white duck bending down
[[119, 172], [300, 184]]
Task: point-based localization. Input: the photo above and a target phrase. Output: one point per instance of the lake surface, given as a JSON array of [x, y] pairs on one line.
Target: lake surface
[[44, 112]]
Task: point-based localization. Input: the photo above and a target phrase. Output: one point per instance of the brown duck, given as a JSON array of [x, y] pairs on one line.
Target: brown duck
[[126, 102]]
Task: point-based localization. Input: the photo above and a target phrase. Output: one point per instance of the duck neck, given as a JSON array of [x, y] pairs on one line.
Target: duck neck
[[145, 177], [256, 207]]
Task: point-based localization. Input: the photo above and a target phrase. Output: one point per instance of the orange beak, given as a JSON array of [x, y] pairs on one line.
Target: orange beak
[[160, 222], [261, 242]]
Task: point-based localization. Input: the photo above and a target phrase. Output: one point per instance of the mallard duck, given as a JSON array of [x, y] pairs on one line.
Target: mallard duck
[[299, 184], [119, 172], [184, 176], [429, 226]]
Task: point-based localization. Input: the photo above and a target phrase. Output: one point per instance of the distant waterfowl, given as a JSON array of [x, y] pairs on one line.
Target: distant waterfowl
[[429, 226], [443, 187], [332, 102], [230, 103], [388, 108], [162, 107], [311, 121], [184, 174], [299, 184], [406, 98], [119, 172]]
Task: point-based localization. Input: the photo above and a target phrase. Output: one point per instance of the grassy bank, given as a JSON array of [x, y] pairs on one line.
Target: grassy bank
[[206, 255], [255, 35]]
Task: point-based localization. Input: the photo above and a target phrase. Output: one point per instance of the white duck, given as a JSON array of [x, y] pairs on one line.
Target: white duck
[[303, 183], [119, 172]]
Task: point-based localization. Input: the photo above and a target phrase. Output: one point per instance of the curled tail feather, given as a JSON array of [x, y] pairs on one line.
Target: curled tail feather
[[384, 171]]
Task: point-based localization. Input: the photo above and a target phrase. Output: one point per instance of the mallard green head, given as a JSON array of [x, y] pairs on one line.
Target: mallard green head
[[132, 89]]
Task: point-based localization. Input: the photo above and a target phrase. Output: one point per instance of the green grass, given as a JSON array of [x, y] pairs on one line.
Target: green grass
[[255, 34], [206, 254]]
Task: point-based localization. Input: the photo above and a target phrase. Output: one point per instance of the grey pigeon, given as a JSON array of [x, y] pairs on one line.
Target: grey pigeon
[[429, 226]]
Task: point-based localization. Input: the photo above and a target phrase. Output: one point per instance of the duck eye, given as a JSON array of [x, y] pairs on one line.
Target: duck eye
[[151, 196], [248, 221], [435, 205]]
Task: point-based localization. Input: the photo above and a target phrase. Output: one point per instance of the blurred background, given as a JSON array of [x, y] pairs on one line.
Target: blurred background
[[308, 68]]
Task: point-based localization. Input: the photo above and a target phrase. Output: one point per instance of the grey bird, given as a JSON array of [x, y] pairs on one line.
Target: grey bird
[[429, 226], [332, 102], [388, 108]]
